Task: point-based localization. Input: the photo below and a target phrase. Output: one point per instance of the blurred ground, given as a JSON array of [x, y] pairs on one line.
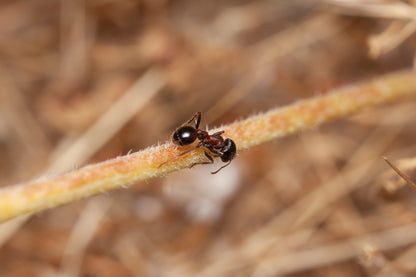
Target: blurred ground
[[315, 204]]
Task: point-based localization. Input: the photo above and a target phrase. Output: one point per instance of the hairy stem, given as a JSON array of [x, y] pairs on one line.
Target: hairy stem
[[42, 194]]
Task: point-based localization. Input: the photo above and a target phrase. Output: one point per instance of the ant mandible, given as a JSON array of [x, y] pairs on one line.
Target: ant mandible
[[214, 145]]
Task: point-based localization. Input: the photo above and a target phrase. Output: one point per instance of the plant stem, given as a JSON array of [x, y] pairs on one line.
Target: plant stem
[[42, 194]]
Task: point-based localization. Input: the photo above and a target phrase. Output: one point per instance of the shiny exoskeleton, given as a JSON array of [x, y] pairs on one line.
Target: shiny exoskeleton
[[214, 145]]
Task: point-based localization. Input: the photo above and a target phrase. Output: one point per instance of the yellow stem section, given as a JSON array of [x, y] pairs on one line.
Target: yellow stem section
[[42, 194]]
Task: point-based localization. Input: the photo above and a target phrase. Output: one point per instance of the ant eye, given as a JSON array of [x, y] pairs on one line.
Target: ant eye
[[184, 135]]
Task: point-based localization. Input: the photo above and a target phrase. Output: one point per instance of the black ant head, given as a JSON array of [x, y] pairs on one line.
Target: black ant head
[[228, 150], [185, 135]]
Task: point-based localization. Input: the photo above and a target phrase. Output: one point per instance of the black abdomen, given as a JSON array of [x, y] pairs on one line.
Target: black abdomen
[[229, 150]]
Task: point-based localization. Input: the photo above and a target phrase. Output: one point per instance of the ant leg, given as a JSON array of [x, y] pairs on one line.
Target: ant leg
[[197, 120], [181, 154], [211, 160], [217, 133], [216, 152], [216, 171]]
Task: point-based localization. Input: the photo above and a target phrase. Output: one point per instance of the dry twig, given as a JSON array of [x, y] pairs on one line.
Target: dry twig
[[39, 195], [401, 173]]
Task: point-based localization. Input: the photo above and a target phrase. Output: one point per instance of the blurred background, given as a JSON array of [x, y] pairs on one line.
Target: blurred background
[[83, 81]]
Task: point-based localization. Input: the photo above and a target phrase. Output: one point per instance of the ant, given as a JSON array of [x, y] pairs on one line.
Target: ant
[[214, 145]]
